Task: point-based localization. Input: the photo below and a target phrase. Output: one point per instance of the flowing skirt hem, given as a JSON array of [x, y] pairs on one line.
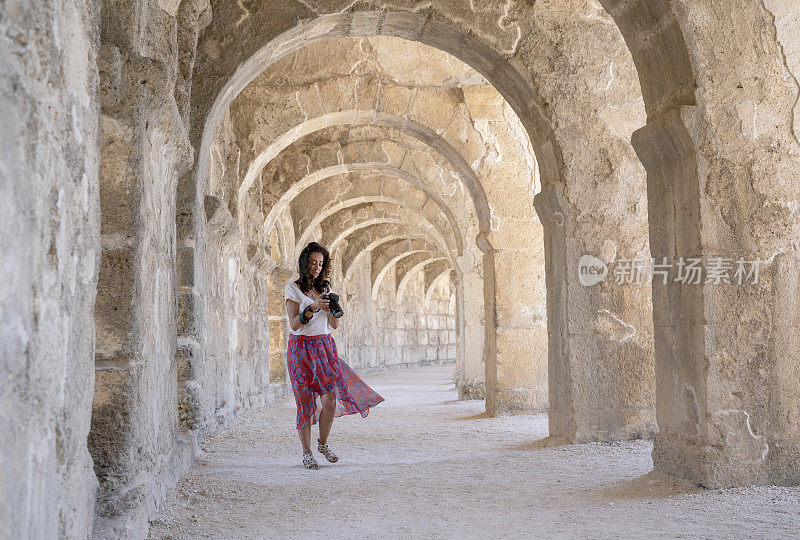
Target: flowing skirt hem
[[315, 369], [341, 410]]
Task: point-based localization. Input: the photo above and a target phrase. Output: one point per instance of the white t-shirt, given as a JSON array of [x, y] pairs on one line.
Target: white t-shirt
[[318, 324]]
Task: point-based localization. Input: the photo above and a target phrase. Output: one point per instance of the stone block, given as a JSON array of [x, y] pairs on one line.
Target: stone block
[[187, 313], [433, 337], [431, 353], [185, 266]]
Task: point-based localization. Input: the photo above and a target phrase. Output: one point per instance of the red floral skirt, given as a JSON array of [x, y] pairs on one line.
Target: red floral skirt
[[316, 369]]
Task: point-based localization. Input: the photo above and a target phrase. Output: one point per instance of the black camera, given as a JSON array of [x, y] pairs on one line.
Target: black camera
[[336, 309]]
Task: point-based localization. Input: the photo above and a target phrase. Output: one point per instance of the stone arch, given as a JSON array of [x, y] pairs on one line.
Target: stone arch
[[409, 127], [338, 226], [365, 199], [469, 179], [434, 274], [506, 79], [410, 265], [517, 91], [655, 38], [374, 236], [392, 254], [328, 172]]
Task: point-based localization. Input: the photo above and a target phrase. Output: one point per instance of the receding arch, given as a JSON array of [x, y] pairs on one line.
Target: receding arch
[[360, 225], [376, 237], [411, 265], [320, 175], [434, 274], [385, 260], [515, 89], [467, 176], [404, 125]]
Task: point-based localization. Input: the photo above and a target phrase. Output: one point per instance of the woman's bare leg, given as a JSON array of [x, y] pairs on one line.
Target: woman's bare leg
[[326, 416], [305, 437]]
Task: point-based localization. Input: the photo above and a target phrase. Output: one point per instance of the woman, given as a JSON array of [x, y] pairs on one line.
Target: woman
[[315, 368]]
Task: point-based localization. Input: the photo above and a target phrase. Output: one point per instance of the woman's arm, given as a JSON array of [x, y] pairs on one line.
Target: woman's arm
[[293, 311], [333, 322]]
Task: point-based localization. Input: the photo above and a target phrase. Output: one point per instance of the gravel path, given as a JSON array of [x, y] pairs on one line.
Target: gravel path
[[423, 464]]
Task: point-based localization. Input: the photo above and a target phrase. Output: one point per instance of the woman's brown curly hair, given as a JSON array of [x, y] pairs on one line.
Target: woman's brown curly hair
[[307, 281]]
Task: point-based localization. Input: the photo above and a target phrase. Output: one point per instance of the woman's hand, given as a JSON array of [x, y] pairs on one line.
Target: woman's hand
[[321, 303]]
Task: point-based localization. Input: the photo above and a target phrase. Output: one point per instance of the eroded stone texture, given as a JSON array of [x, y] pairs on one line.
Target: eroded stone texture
[[238, 323], [145, 150], [49, 252], [601, 342], [728, 413]]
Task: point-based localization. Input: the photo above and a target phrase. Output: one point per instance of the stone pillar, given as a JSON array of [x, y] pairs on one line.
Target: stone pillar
[[49, 254], [470, 315], [727, 355], [600, 371], [145, 149], [189, 351], [521, 311], [278, 324], [722, 185]]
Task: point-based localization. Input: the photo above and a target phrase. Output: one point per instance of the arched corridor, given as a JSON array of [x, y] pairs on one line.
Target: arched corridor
[[582, 213], [426, 465]]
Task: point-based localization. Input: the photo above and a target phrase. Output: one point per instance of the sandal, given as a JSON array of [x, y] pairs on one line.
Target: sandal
[[325, 451], [309, 462]]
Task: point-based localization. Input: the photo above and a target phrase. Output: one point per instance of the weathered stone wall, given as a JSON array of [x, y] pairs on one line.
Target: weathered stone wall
[[729, 411], [232, 283], [234, 373], [49, 253], [134, 436]]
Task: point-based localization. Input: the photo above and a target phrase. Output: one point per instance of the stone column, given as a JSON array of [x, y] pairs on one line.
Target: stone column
[[600, 371], [471, 314], [49, 254], [145, 149], [521, 309], [189, 352], [723, 186], [727, 354]]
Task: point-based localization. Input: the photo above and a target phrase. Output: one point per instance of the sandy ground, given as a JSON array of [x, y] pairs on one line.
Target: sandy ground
[[423, 464]]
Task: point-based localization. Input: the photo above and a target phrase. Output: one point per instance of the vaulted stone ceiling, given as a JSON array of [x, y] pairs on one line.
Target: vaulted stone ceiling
[[349, 82], [358, 138]]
